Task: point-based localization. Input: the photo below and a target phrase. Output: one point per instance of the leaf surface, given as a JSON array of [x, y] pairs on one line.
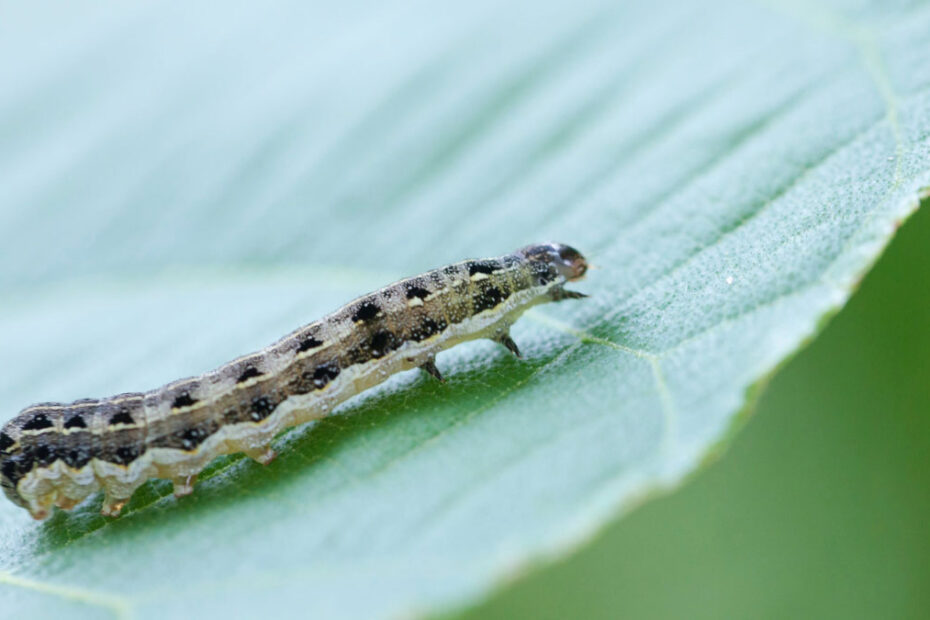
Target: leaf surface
[[179, 187]]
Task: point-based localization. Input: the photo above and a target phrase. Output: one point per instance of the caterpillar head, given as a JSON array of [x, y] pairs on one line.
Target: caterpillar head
[[566, 260]]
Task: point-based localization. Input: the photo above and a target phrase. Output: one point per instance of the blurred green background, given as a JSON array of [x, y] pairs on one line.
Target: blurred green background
[[819, 508]]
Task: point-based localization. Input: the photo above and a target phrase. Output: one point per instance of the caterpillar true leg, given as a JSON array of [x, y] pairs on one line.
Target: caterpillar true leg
[[505, 339], [429, 366], [560, 294]]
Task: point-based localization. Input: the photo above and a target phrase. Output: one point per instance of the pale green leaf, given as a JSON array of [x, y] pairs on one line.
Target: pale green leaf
[[182, 185]]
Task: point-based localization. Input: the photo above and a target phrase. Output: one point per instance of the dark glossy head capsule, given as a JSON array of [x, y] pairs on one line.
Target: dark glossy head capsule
[[567, 260]]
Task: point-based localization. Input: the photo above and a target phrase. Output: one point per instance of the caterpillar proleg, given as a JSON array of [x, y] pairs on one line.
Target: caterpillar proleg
[[56, 454]]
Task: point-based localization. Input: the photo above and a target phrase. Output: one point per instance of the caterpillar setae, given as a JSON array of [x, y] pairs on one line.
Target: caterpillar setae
[[55, 454]]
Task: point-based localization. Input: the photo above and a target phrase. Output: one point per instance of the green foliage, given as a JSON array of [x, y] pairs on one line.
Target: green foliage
[[179, 189], [826, 484]]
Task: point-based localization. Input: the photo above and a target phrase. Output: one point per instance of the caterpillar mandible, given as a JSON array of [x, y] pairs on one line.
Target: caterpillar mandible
[[55, 454]]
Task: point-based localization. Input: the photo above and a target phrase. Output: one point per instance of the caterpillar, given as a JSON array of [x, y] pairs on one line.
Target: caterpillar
[[56, 454]]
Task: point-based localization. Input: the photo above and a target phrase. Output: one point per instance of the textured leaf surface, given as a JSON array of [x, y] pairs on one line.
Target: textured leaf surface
[[178, 188]]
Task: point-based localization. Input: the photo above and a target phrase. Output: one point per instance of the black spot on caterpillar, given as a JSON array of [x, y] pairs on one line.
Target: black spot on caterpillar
[[486, 267], [124, 455], [183, 400], [9, 470], [186, 439], [416, 292], [325, 373], [44, 455], [262, 406], [55, 454], [77, 457], [427, 327], [121, 417], [382, 343], [76, 421], [366, 311], [249, 373], [38, 422], [310, 378], [308, 343]]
